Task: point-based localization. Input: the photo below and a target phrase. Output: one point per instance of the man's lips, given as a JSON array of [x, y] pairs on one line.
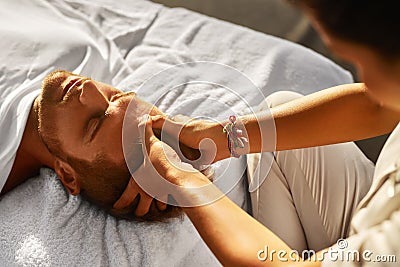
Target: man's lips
[[70, 85]]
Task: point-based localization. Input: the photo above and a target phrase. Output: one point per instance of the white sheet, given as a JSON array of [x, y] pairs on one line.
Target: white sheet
[[124, 43]]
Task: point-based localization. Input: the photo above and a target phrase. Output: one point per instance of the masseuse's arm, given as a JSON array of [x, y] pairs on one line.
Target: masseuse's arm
[[234, 237], [338, 114]]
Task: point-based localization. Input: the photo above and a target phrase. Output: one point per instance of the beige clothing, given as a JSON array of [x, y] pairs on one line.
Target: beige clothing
[[375, 228], [309, 195]]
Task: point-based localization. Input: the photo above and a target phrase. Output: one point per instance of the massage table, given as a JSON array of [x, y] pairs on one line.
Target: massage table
[[125, 43]]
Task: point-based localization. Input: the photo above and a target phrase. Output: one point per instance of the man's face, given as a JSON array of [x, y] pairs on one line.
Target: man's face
[[84, 116], [80, 121]]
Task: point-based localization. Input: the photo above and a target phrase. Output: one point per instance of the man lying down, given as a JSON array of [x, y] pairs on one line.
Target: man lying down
[[75, 127]]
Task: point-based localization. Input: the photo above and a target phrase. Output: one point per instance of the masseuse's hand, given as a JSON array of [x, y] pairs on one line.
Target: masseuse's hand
[[185, 152], [160, 162], [207, 136], [133, 191]]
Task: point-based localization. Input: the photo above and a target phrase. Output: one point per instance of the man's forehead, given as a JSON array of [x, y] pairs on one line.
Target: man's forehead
[[61, 73]]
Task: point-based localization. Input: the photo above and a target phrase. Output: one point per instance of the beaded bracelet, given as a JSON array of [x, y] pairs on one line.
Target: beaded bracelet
[[236, 138]]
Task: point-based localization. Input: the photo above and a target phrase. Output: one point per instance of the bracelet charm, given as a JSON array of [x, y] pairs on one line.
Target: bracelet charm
[[236, 138]]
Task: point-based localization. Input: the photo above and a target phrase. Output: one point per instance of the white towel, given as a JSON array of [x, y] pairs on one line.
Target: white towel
[[42, 225]]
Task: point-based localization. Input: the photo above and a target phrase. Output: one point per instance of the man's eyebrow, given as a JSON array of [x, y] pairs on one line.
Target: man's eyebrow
[[125, 95]]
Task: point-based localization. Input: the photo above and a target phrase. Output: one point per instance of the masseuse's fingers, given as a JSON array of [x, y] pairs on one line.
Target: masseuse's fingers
[[173, 128], [128, 196], [145, 127], [180, 128], [159, 152], [144, 205], [159, 120], [195, 146], [162, 203], [133, 189]]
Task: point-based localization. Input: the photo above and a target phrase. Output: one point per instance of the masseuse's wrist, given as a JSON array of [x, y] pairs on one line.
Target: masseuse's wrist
[[186, 178], [220, 139], [194, 189]]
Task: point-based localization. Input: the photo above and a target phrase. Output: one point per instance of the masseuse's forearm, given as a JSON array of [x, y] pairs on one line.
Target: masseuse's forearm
[[339, 114], [234, 237]]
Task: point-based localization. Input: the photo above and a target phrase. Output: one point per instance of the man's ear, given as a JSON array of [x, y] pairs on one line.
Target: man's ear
[[67, 176]]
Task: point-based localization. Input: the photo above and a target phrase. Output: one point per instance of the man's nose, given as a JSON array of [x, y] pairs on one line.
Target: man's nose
[[91, 96]]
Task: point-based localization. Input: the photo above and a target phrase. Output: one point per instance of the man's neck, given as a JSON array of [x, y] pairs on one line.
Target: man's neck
[[32, 154]]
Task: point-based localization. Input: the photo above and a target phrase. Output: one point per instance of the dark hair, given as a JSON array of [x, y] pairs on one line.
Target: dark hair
[[368, 22]]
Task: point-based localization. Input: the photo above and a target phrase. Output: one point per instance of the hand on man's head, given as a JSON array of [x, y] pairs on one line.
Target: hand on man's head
[[148, 181]]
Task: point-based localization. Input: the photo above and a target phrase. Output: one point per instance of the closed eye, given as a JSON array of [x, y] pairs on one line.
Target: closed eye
[[92, 127], [95, 124]]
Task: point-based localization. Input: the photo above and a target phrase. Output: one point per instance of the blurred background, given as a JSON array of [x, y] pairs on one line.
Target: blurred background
[[278, 18], [274, 17]]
